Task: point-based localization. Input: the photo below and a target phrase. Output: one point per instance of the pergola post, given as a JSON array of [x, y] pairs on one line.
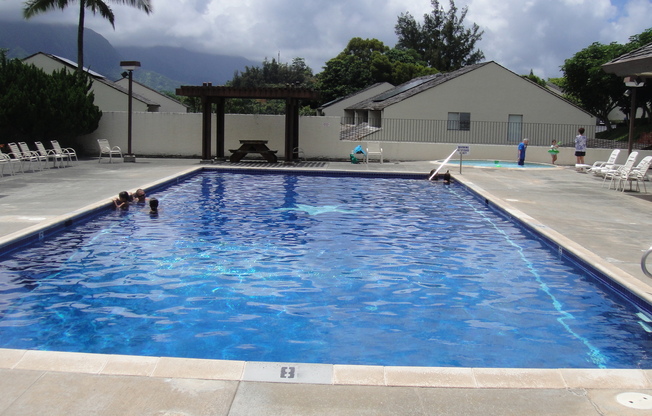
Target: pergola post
[[290, 133], [217, 94], [219, 140], [295, 130], [206, 129]]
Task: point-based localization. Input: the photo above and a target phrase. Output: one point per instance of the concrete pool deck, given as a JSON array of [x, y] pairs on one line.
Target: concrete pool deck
[[602, 226]]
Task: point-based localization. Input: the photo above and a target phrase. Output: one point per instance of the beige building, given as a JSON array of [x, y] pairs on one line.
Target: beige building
[[110, 96], [478, 102]]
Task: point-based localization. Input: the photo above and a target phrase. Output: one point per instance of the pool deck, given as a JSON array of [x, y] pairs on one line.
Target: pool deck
[[606, 228]]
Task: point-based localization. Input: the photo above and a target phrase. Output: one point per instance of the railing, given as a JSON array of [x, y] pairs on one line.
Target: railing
[[474, 132], [643, 262]]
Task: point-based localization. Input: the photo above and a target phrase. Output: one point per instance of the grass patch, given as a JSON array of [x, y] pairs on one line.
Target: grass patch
[[621, 132]]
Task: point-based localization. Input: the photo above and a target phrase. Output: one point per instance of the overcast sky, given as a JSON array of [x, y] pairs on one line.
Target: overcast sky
[[521, 35]]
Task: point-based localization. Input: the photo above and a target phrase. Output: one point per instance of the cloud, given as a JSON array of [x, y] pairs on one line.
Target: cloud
[[521, 35], [539, 35]]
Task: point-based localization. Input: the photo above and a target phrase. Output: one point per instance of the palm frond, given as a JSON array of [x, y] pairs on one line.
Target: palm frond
[[34, 7]]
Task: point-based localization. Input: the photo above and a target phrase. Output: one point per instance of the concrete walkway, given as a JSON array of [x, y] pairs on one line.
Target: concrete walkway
[[604, 227]]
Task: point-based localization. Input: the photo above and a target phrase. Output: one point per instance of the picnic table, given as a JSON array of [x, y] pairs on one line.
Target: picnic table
[[253, 146]]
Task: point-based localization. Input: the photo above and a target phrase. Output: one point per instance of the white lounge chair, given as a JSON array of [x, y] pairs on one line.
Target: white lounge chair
[[636, 174], [105, 148], [49, 154], [6, 160], [27, 152], [67, 152], [15, 157], [373, 148], [601, 165], [17, 154], [616, 171]]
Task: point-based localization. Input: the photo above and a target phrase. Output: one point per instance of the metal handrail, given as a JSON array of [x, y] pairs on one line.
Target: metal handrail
[[643, 259], [442, 165]]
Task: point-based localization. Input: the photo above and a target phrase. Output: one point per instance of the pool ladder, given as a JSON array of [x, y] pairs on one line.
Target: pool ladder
[[643, 265], [442, 165]]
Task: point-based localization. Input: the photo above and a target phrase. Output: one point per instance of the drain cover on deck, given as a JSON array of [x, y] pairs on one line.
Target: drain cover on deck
[[635, 400]]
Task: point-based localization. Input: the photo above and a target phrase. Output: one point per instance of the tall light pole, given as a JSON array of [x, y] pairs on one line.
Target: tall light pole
[[129, 66], [632, 83]]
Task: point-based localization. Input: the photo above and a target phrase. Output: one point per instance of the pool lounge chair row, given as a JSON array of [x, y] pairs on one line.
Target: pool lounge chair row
[[20, 154], [620, 174]]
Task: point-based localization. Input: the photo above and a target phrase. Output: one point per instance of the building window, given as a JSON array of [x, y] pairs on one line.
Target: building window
[[459, 121]]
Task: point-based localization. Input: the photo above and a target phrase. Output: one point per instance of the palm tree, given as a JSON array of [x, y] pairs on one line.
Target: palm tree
[[34, 7]]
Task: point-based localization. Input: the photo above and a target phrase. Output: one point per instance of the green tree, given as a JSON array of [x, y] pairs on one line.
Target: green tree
[[34, 7], [365, 62], [274, 74], [38, 106], [270, 74], [441, 41], [535, 79], [642, 39], [351, 70], [584, 80]]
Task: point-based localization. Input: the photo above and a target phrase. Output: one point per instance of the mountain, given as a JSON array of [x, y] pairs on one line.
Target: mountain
[[191, 68], [23, 39], [162, 68]]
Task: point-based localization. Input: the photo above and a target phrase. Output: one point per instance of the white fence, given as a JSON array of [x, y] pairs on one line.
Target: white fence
[[179, 135]]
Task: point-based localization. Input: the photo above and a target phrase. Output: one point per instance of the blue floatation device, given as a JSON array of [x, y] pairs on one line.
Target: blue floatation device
[[359, 149]]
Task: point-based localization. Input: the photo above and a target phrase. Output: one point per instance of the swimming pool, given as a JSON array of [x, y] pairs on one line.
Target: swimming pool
[[365, 276]]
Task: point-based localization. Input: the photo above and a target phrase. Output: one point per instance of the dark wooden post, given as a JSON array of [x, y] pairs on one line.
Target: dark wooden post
[[219, 141], [289, 131], [632, 119], [295, 129], [206, 129]]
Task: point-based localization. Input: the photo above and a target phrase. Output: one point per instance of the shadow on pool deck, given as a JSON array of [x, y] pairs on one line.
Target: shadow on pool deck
[[606, 226]]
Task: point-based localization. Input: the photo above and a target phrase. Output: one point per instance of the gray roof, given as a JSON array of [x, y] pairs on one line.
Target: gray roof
[[337, 100], [420, 84], [411, 88], [636, 62]]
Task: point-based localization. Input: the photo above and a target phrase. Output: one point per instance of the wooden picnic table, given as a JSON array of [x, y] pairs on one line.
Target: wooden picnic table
[[253, 146]]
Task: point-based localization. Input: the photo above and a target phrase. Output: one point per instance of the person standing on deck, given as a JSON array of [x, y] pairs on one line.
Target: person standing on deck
[[580, 146], [521, 152]]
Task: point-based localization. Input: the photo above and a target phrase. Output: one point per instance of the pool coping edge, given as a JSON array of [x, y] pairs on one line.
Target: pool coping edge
[[329, 374]]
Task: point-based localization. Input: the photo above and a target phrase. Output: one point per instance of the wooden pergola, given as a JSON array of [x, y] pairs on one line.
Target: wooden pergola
[[210, 94]]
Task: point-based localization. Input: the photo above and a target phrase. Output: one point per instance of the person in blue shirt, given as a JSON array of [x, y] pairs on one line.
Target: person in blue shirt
[[522, 146]]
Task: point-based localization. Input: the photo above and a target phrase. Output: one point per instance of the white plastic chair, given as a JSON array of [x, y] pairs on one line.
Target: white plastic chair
[[68, 152], [17, 154], [49, 154], [636, 174], [105, 148], [373, 148], [617, 171], [33, 155], [6, 160], [603, 165]]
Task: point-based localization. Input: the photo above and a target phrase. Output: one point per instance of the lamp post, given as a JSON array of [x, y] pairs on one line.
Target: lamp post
[[632, 83], [129, 66]]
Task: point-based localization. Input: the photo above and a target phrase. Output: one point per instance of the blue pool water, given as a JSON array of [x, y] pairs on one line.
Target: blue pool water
[[498, 164], [346, 270]]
